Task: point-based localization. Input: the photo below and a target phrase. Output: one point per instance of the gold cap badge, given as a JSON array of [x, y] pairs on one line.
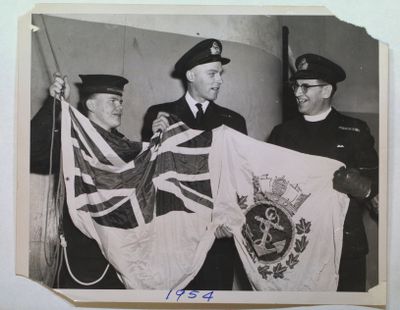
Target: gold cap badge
[[215, 50], [303, 64]]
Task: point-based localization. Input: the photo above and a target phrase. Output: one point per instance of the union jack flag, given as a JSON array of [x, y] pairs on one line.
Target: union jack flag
[[153, 208], [116, 189]]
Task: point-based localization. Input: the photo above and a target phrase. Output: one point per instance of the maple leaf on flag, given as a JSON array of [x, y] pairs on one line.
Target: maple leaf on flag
[[264, 271], [304, 227], [279, 270], [241, 200], [292, 260], [301, 244]]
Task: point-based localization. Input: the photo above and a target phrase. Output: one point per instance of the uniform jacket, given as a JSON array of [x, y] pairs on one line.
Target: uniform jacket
[[345, 139], [214, 116]]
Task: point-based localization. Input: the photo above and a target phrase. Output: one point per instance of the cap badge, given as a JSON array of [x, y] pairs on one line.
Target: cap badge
[[303, 65], [214, 49]]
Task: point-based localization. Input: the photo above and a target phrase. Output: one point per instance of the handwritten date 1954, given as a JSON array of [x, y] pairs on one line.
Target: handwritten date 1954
[[192, 294]]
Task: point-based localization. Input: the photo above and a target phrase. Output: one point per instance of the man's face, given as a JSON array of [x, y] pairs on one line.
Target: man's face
[[205, 81], [105, 110], [314, 100]]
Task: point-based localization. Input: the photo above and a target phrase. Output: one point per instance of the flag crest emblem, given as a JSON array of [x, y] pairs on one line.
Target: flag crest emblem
[[269, 229]]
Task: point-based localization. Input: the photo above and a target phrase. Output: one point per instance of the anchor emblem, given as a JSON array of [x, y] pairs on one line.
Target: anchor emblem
[[264, 246]]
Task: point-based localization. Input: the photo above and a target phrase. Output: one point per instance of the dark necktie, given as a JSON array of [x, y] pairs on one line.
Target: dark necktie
[[200, 113]]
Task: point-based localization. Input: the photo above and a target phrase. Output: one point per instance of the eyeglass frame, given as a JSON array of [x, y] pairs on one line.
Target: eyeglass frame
[[304, 87]]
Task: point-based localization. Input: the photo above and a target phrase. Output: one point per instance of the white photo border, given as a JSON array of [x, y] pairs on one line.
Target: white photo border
[[138, 298]]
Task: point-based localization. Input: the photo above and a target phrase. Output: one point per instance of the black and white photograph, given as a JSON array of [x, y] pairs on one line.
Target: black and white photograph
[[196, 154]]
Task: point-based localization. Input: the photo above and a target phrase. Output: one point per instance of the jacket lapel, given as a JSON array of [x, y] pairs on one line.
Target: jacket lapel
[[184, 113], [211, 117]]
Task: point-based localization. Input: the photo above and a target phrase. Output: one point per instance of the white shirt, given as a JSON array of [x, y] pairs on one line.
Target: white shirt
[[318, 117], [192, 104]]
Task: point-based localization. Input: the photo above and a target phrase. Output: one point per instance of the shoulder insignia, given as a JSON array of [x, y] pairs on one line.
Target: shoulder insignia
[[349, 128]]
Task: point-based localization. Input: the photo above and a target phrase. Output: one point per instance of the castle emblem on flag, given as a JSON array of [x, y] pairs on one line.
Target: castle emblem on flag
[[269, 231], [279, 191]]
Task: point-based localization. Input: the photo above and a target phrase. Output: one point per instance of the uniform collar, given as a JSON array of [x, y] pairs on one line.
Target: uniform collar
[[318, 117], [192, 104]]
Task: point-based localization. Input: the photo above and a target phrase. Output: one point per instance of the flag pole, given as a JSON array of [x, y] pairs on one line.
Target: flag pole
[[289, 109]]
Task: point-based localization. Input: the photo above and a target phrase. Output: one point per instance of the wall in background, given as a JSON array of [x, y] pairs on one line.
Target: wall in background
[[255, 30], [146, 57], [348, 45]]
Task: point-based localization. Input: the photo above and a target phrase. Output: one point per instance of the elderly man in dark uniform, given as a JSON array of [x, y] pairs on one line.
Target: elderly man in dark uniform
[[323, 131], [101, 101], [200, 69]]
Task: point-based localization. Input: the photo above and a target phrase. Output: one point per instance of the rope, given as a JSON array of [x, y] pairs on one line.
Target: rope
[[59, 271], [59, 204], [60, 201], [123, 50], [64, 245], [51, 46], [48, 204], [54, 259], [60, 195]]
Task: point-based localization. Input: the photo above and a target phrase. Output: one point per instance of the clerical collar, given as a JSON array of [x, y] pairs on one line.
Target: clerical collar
[[192, 104], [318, 117]]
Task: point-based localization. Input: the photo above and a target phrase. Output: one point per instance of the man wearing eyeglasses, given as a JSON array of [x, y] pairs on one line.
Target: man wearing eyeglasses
[[323, 131]]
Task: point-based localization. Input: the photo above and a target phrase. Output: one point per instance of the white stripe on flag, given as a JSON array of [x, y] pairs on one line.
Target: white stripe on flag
[[85, 177], [109, 210], [185, 177], [136, 209], [109, 168], [189, 203], [101, 196]]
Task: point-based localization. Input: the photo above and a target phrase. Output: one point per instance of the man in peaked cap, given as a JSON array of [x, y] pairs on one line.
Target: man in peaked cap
[[103, 99], [323, 131], [200, 68], [101, 102]]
